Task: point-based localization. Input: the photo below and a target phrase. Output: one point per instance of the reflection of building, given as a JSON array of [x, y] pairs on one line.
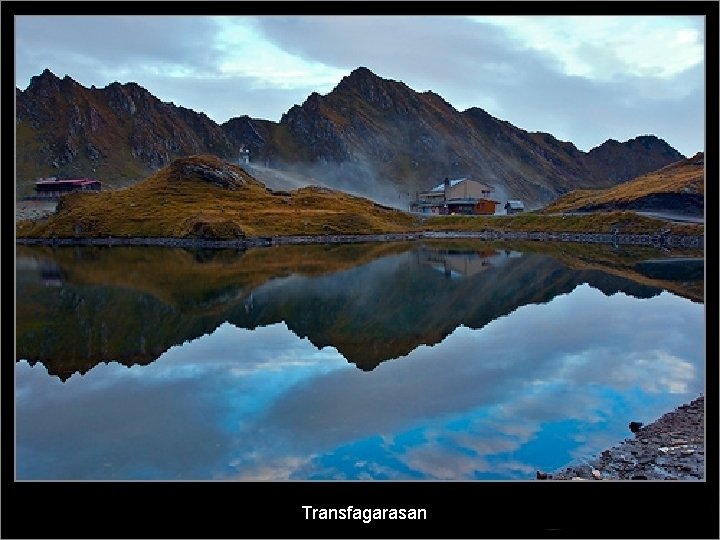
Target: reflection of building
[[54, 187], [50, 275], [460, 196], [514, 207], [465, 263]]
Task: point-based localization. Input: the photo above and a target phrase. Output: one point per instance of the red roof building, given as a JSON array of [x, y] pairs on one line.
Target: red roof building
[[57, 186]]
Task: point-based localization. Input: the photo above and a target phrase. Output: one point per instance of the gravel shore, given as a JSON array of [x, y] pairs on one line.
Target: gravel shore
[[32, 209], [671, 448]]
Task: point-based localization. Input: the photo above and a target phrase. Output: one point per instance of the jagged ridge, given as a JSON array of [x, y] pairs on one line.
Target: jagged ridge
[[369, 133], [374, 129]]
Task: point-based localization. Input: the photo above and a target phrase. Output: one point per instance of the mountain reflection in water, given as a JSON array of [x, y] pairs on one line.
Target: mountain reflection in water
[[487, 360]]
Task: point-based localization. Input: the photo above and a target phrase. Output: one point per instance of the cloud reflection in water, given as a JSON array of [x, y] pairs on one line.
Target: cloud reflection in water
[[531, 390]]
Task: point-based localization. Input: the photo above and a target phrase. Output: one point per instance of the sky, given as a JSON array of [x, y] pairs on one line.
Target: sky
[[584, 79]]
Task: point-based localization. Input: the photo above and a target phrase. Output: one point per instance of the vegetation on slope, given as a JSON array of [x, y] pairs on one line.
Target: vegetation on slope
[[605, 222], [205, 197], [683, 180]]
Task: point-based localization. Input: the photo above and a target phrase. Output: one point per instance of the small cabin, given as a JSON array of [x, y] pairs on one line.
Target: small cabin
[[55, 187], [514, 207]]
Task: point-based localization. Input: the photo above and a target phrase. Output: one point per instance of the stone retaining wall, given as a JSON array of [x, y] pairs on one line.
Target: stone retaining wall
[[659, 240]]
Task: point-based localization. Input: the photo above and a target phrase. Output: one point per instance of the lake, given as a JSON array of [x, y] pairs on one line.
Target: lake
[[454, 360]]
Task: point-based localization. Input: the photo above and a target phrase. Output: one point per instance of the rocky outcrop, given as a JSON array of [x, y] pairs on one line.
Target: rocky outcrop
[[206, 169]]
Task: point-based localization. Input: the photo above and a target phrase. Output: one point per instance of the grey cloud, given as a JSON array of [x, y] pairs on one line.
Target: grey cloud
[[222, 98], [145, 50], [467, 63], [102, 45], [477, 64]]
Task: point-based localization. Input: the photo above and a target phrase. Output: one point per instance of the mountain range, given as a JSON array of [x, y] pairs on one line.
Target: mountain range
[[370, 136]]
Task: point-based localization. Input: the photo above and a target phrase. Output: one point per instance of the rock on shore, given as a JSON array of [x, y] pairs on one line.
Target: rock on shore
[[671, 448]]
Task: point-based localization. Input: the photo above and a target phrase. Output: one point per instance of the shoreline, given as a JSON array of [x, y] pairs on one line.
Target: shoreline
[[670, 448], [657, 240]]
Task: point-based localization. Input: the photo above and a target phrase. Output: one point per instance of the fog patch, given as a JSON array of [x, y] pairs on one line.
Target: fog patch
[[355, 177]]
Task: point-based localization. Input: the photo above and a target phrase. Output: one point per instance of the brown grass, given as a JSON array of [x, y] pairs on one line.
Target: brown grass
[[599, 222], [167, 205], [175, 204], [685, 177]]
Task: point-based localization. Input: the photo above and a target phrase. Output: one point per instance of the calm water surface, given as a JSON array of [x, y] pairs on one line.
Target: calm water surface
[[409, 361]]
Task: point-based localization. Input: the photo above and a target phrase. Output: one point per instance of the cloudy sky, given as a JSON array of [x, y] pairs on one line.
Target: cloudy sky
[[584, 79]]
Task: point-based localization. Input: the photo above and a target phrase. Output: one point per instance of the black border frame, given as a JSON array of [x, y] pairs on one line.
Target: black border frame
[[454, 509]]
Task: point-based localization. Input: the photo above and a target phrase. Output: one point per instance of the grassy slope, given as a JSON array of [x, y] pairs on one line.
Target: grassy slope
[[173, 203], [679, 178], [605, 222]]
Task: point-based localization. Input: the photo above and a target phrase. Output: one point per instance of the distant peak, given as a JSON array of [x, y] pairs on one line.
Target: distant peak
[[359, 76], [361, 71], [374, 89], [45, 77], [647, 138]]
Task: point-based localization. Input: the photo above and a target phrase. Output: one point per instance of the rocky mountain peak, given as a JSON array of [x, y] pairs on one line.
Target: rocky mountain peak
[[650, 141], [47, 79], [645, 142], [358, 76], [623, 161], [377, 91], [119, 133], [368, 132], [312, 102]]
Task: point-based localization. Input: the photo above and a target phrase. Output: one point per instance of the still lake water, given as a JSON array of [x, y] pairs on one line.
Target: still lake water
[[432, 361]]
